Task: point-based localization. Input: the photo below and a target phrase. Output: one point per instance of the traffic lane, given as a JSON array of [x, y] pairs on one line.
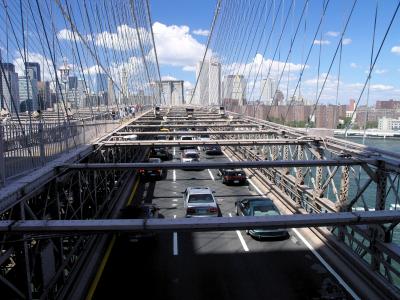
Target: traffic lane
[[212, 265], [215, 242]]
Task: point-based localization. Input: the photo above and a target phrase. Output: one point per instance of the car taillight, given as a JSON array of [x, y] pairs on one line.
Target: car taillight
[[212, 209], [141, 171], [190, 210], [228, 177]]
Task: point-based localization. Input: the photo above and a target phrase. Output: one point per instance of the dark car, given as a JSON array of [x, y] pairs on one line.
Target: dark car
[[142, 211], [260, 207], [233, 176], [213, 149], [161, 153], [152, 174]]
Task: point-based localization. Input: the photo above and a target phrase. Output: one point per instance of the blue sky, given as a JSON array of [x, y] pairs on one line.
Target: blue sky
[[179, 28], [356, 51]]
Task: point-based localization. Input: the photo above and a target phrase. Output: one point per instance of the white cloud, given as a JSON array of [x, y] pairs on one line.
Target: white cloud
[[176, 46], [333, 33], [395, 49], [46, 65], [346, 41], [125, 38], [381, 87], [188, 85], [353, 65], [321, 42], [168, 77], [66, 34], [380, 71], [202, 32], [189, 68]]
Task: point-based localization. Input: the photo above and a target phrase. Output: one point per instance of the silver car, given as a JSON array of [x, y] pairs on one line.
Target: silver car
[[200, 202]]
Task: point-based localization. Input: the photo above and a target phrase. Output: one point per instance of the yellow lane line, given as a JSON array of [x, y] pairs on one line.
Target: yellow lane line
[[107, 254]]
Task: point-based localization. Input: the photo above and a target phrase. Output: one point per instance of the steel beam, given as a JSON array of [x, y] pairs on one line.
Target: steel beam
[[232, 132], [199, 224], [175, 143], [217, 165], [194, 126]]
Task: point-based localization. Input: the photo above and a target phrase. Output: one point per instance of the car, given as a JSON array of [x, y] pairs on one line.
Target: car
[[160, 152], [200, 202], [204, 137], [233, 176], [260, 207], [187, 138], [161, 137], [131, 137], [213, 149], [190, 155], [152, 174], [141, 211]]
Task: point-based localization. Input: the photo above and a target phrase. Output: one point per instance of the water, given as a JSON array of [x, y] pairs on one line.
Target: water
[[370, 194]]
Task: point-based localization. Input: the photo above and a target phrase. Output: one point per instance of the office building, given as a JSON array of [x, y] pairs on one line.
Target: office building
[[44, 95], [28, 93], [267, 90], [389, 124], [9, 90], [33, 70], [234, 89], [101, 82], [72, 82], [208, 91]]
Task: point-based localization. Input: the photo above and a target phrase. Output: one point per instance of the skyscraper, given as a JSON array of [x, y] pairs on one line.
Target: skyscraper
[[33, 70], [72, 82], [28, 93], [101, 82], [234, 89], [208, 91], [44, 95], [9, 93], [267, 90]]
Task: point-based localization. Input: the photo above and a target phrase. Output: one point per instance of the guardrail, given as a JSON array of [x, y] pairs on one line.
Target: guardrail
[[27, 146]]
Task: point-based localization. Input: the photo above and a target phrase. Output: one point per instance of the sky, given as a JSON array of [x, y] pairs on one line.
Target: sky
[[356, 53], [181, 30]]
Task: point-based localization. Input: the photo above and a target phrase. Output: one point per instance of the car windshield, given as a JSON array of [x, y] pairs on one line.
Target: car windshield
[[205, 136], [191, 155], [186, 138], [234, 173], [264, 210], [161, 137], [154, 160], [201, 198]]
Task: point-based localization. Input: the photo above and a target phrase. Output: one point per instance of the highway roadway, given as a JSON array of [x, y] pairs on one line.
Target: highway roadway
[[212, 265]]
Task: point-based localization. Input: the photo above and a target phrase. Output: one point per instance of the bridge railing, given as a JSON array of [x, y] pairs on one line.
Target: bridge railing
[[27, 145]]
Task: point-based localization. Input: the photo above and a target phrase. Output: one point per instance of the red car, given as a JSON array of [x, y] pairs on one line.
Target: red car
[[233, 176], [152, 174]]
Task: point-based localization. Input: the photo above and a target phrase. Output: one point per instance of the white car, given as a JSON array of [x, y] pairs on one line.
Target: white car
[[200, 202], [186, 138], [190, 155]]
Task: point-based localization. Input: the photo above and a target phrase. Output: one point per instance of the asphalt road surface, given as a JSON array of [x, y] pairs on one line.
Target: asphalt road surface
[[211, 265]]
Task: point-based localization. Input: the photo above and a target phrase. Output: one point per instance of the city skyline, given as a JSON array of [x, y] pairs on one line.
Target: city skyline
[[181, 41]]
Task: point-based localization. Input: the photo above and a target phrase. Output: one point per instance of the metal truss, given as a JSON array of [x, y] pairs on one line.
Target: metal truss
[[324, 181], [203, 224]]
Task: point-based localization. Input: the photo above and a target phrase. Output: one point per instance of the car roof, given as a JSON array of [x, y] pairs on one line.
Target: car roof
[[190, 151], [199, 190], [255, 201], [154, 159]]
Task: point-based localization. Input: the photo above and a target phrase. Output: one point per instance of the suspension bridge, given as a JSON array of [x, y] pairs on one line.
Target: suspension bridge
[[87, 120]]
